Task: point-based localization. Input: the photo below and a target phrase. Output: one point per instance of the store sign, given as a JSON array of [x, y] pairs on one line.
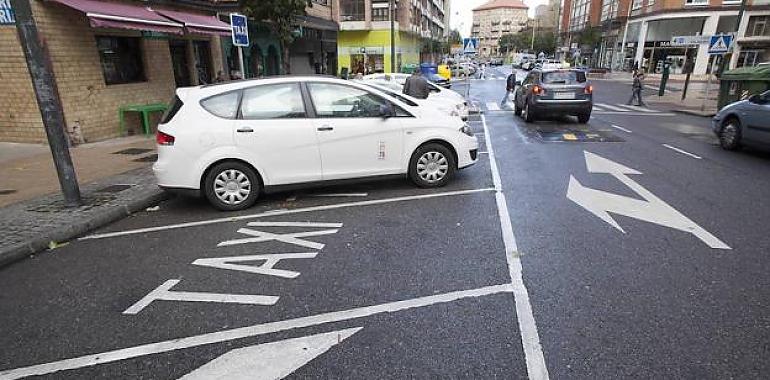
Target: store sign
[[240, 29], [7, 16], [689, 40]]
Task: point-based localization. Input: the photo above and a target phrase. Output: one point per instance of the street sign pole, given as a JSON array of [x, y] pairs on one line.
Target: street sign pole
[[48, 101], [241, 66], [392, 13], [708, 84]]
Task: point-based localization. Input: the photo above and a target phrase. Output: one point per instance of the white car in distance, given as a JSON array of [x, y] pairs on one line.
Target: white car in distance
[[231, 142], [436, 92], [394, 89]]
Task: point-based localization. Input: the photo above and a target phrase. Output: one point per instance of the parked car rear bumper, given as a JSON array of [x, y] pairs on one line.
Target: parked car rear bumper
[[561, 107]]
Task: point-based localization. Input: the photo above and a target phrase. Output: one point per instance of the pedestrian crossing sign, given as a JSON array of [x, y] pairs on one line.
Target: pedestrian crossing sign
[[470, 45], [720, 43]]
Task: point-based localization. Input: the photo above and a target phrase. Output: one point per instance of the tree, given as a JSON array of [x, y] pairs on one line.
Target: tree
[[455, 37], [280, 16], [514, 41]]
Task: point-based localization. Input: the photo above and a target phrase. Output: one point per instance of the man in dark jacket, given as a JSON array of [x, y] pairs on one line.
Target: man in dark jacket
[[417, 86], [636, 89], [510, 85]]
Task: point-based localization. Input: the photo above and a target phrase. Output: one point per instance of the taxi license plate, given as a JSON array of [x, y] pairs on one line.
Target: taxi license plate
[[564, 95]]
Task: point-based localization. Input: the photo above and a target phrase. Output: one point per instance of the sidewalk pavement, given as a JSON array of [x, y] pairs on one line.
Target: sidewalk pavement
[[115, 177]]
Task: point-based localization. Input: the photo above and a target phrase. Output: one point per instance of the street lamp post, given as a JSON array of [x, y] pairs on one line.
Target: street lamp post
[[532, 44]]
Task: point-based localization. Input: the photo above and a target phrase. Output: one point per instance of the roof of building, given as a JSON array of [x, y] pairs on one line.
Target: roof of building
[[501, 4]]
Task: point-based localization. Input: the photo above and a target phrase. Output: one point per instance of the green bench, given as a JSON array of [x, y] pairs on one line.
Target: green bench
[[145, 110]]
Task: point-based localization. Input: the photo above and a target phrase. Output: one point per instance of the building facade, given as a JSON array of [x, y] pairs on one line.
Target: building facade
[[653, 23], [494, 19], [365, 38], [105, 55]]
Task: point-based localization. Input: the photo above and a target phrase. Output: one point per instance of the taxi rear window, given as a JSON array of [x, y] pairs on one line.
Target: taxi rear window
[[564, 77]]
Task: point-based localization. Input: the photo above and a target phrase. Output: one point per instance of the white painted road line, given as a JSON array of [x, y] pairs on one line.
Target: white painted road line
[[629, 113], [249, 331], [282, 212], [492, 106], [340, 195], [530, 339], [638, 108], [686, 153], [620, 128], [611, 107]]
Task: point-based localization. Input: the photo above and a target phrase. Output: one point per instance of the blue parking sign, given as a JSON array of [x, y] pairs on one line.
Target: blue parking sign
[[240, 29]]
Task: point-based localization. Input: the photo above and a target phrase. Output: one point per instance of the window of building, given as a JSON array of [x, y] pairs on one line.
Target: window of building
[[352, 10], [751, 57], [609, 10], [696, 2], [637, 4], [121, 59], [380, 14], [758, 26], [274, 101], [579, 15]]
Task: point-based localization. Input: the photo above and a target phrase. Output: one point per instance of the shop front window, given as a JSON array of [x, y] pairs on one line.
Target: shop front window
[[696, 2], [121, 59]]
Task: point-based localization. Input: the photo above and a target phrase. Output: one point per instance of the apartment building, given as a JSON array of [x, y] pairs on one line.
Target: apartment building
[[105, 55], [653, 23], [364, 38], [494, 19]]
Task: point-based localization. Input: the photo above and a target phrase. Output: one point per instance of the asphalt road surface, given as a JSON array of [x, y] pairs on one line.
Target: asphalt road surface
[[630, 247]]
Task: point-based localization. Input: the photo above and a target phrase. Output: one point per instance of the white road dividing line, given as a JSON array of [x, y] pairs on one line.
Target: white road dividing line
[[620, 128], [530, 339], [250, 331], [283, 212], [340, 195], [686, 153], [629, 113]]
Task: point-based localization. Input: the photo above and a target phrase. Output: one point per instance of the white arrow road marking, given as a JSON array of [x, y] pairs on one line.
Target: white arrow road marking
[[249, 331], [266, 268], [269, 361], [652, 209], [164, 293]]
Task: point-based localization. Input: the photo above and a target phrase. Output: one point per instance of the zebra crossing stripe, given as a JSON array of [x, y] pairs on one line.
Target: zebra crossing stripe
[[492, 106], [639, 109], [611, 107]]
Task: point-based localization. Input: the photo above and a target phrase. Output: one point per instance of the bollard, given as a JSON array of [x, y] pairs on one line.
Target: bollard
[[664, 78]]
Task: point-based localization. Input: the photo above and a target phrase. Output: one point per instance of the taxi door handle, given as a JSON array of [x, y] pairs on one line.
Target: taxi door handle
[[325, 128], [245, 130]]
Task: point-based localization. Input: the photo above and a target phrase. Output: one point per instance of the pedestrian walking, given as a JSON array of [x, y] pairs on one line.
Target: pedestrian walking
[[636, 89], [482, 71], [510, 86], [416, 86]]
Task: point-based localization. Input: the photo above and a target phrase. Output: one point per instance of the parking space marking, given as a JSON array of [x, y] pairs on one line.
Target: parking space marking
[[530, 339], [682, 151], [620, 128], [267, 268], [250, 331], [283, 212], [340, 195]]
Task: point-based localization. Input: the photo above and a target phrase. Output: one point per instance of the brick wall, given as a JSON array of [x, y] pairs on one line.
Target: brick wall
[[86, 99], [19, 116]]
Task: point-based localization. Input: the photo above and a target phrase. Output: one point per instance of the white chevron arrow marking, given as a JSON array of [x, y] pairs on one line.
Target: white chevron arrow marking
[[652, 209]]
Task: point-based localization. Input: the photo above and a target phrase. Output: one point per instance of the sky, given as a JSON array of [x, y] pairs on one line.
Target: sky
[[462, 17]]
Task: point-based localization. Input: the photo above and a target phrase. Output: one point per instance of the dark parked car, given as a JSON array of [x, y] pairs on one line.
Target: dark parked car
[[744, 122], [554, 92]]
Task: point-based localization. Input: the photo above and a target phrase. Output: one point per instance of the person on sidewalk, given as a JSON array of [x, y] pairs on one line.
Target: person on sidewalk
[[416, 86], [636, 89], [510, 85]]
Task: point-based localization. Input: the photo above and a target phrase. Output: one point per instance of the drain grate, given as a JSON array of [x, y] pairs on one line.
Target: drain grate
[[7, 191], [150, 158], [133, 151], [114, 188]]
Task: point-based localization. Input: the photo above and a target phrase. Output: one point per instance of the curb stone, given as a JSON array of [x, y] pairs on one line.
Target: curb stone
[[66, 233]]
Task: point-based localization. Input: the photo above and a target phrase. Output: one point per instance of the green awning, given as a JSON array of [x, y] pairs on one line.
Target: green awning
[[760, 73]]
